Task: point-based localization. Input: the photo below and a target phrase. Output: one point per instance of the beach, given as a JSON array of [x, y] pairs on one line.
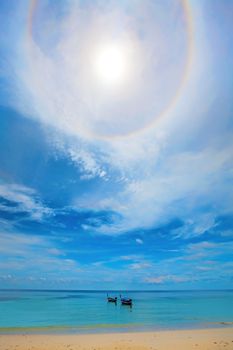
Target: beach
[[201, 339]]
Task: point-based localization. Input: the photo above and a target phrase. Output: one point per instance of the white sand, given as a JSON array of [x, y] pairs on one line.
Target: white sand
[[205, 339]]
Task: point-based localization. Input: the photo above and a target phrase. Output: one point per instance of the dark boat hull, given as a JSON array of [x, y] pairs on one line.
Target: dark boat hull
[[112, 300], [126, 302]]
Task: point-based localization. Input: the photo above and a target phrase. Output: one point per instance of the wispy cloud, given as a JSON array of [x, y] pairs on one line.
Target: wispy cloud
[[139, 265], [33, 255], [20, 199], [181, 181], [167, 278]]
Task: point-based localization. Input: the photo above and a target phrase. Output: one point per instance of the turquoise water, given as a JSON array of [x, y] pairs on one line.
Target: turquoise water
[[85, 311]]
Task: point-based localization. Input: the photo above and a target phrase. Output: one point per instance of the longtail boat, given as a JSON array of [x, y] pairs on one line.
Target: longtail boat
[[126, 301], [111, 299]]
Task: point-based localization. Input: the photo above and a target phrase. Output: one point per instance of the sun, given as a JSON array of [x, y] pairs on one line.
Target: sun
[[110, 65]]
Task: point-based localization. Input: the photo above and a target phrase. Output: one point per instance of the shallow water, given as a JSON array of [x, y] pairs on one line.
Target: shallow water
[[88, 311]]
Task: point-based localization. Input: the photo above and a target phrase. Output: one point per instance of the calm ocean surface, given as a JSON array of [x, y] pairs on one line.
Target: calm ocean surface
[[85, 311]]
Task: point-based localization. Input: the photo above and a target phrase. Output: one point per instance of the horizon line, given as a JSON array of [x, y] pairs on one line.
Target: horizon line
[[114, 290]]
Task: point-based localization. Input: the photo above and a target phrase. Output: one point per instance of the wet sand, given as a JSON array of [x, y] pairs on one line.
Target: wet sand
[[205, 339]]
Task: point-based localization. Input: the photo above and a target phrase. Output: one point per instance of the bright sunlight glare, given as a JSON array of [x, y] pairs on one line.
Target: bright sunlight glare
[[111, 65]]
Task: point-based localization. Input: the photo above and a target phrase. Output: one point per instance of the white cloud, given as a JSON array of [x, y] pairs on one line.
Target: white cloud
[[87, 161], [21, 244], [6, 277], [205, 268], [33, 254], [167, 278], [55, 251], [26, 200], [139, 265], [185, 178]]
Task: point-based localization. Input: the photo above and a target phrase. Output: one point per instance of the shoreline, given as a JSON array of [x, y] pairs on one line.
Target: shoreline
[[202, 339], [106, 329]]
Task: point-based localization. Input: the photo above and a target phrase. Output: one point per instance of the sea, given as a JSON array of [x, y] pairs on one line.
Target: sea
[[74, 311]]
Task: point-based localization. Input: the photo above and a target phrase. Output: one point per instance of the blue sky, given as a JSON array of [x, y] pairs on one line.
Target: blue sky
[[116, 182]]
